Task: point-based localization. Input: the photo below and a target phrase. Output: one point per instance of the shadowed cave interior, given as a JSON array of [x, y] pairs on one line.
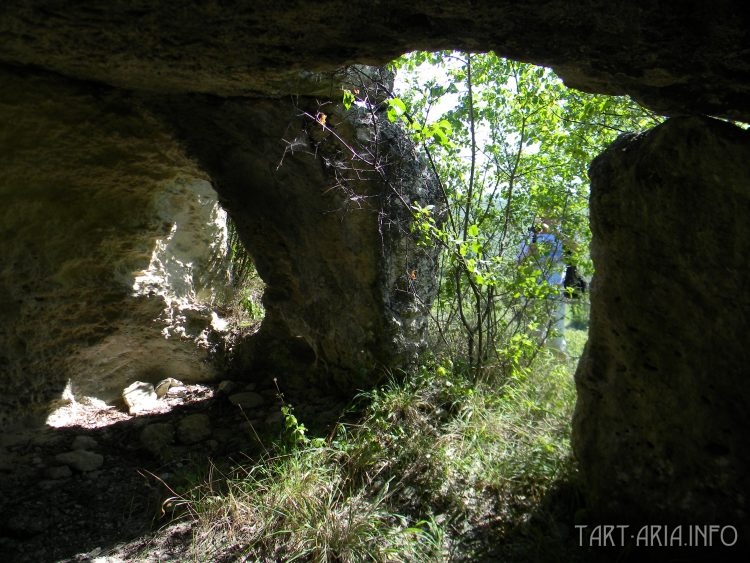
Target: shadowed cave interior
[[126, 132]]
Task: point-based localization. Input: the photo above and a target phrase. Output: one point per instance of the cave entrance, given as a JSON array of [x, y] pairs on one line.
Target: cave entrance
[[511, 145], [246, 303]]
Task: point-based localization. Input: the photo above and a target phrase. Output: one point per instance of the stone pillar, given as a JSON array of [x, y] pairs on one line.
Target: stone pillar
[[328, 231], [663, 412]]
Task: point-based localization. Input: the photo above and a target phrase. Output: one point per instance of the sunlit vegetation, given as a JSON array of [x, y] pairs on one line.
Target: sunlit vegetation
[[468, 457]]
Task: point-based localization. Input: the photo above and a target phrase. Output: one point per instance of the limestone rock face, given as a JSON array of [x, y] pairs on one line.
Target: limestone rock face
[[140, 397], [661, 422], [194, 428], [238, 48], [116, 253], [325, 214], [111, 242]]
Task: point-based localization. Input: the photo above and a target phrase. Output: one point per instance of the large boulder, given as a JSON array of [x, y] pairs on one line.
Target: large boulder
[[661, 422]]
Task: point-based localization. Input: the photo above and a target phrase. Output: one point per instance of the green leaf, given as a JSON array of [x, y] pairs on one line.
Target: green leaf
[[533, 141], [396, 108], [348, 99]]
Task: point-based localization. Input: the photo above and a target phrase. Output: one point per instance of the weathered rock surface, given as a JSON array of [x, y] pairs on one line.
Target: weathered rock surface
[[123, 253], [247, 399], [194, 428], [662, 420], [163, 387], [157, 438], [688, 57], [84, 443], [327, 223], [140, 397], [113, 247]]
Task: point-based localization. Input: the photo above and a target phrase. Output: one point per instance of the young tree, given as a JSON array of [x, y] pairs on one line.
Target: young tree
[[510, 144]]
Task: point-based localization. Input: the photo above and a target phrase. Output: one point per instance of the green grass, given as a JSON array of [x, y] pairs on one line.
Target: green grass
[[434, 469]]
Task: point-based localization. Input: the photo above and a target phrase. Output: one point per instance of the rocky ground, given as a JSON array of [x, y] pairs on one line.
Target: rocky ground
[[91, 485]]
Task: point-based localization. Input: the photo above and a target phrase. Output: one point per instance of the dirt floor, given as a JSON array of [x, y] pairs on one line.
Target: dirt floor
[[91, 484]]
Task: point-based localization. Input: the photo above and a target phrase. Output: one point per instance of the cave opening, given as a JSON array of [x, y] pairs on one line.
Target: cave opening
[[511, 145], [662, 399]]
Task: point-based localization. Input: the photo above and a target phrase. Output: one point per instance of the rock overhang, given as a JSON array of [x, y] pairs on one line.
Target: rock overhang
[[686, 59], [690, 59]]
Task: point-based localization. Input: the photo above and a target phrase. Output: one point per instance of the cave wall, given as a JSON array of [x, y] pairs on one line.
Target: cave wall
[[117, 267], [690, 58], [112, 247], [662, 414], [686, 57]]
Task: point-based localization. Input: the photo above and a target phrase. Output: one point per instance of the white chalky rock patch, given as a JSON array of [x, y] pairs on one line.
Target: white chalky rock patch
[[140, 397]]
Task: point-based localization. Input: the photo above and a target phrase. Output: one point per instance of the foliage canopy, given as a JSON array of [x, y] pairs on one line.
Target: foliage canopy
[[510, 145]]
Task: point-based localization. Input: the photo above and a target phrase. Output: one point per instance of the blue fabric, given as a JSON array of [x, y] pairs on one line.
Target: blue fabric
[[551, 258], [548, 257]]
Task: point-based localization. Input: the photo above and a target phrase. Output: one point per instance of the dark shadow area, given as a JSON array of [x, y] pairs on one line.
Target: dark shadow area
[[57, 511], [546, 533], [559, 530]]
